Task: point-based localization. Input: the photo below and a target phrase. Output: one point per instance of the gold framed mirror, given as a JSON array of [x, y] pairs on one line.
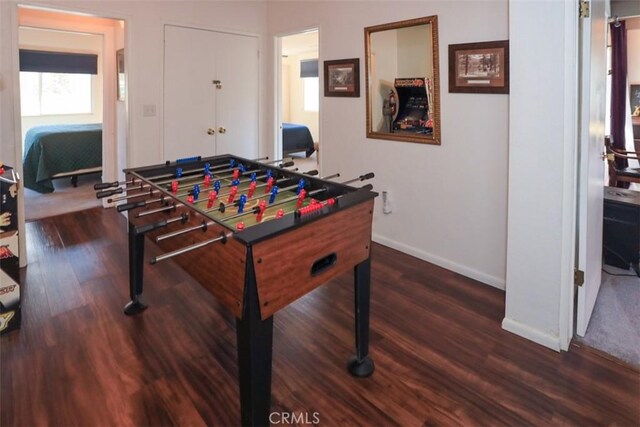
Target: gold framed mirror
[[403, 81]]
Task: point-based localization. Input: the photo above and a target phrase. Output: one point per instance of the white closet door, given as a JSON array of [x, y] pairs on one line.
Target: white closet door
[[237, 67], [189, 99]]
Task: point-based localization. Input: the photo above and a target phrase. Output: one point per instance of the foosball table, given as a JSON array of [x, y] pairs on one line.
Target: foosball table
[[273, 234]]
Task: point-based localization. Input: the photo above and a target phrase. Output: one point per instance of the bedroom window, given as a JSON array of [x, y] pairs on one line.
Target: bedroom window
[[311, 94], [44, 94]]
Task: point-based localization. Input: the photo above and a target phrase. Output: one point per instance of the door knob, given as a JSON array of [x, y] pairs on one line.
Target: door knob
[[211, 131], [221, 130]]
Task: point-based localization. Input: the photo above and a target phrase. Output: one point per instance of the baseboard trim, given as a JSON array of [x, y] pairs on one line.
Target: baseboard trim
[[535, 335], [496, 282]]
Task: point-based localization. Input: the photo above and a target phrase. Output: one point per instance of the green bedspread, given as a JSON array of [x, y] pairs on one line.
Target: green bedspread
[[54, 149]]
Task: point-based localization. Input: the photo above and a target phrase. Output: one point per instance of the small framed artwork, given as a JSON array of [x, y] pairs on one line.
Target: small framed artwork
[[634, 95], [479, 67], [342, 77], [121, 81]]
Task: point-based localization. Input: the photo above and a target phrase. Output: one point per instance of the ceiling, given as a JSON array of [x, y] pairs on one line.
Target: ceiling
[[300, 43]]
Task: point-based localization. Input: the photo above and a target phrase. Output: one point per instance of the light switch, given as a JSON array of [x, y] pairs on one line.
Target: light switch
[[149, 110]]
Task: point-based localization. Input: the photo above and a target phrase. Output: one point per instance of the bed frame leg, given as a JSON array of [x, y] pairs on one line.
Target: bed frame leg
[[74, 180]]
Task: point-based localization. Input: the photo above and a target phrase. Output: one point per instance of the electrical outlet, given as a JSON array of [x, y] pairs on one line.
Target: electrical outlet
[[386, 203], [149, 110]]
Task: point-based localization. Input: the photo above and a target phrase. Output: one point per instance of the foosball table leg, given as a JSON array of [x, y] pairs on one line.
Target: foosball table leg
[[361, 365], [136, 265], [255, 347]]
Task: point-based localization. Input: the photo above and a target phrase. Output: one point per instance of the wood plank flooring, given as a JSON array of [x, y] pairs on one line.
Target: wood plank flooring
[[441, 357]]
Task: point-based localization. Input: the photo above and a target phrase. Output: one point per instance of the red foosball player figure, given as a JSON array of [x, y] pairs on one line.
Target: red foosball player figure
[[269, 185], [262, 207], [252, 189], [212, 198], [232, 195], [279, 214], [301, 196]]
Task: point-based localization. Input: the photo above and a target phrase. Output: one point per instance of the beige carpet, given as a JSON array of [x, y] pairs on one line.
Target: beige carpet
[[615, 323], [66, 198]]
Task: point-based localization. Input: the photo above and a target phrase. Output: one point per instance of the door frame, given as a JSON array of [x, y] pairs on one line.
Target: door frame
[[569, 290], [586, 295], [277, 84], [109, 153]]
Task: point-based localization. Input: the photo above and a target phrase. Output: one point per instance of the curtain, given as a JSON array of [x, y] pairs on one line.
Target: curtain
[[619, 88], [58, 62]]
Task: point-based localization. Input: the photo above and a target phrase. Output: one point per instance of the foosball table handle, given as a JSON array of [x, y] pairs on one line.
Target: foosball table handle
[[132, 205], [106, 193], [105, 185]]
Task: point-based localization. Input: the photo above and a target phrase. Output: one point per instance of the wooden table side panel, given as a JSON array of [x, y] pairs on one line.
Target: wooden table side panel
[[218, 267], [283, 264]]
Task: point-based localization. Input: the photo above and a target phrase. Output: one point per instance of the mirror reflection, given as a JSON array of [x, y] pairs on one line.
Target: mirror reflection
[[403, 81]]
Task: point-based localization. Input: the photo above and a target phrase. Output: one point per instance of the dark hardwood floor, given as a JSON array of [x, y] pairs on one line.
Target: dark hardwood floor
[[441, 357]]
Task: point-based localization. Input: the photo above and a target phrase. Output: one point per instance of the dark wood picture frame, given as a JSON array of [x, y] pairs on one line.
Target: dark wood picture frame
[[121, 87], [486, 67], [342, 78]]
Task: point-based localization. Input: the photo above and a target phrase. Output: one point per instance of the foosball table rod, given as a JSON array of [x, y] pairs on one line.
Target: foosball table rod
[[364, 177], [186, 193], [255, 210], [105, 185], [141, 204], [106, 193], [193, 173], [223, 238], [197, 170], [226, 177], [170, 207], [335, 175], [132, 196]]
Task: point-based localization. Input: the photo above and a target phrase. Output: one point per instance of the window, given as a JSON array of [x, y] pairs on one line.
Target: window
[[311, 94], [55, 93]]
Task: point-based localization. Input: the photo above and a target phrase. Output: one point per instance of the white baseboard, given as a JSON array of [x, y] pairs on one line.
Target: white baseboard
[[535, 335], [496, 282]]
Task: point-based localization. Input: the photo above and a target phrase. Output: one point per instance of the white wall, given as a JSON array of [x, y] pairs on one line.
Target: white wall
[[145, 21], [449, 201], [414, 52], [384, 70], [541, 179], [58, 41]]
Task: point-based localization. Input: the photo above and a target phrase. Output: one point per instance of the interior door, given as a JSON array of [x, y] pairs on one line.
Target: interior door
[[210, 93], [591, 179], [189, 64], [236, 100]]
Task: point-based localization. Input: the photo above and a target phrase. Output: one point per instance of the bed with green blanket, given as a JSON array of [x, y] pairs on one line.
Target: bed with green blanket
[[54, 151]]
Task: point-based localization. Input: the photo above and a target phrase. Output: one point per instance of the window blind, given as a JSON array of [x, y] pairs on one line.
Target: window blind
[[58, 62], [308, 68]]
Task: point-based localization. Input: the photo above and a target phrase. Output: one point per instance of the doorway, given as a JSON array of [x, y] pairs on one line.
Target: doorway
[[73, 124], [613, 327], [298, 117]]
